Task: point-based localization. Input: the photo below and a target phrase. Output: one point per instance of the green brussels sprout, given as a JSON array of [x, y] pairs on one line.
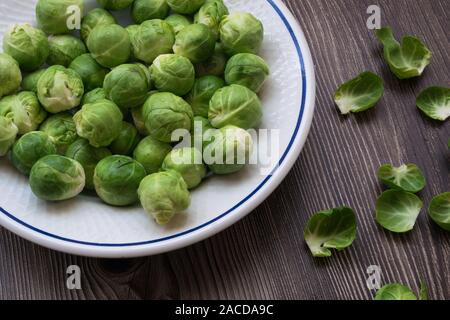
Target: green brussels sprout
[[61, 130], [109, 45], [88, 156], [164, 113], [60, 89], [247, 70], [96, 17], [241, 32], [151, 153], [128, 85], [153, 38], [229, 150], [178, 22], [235, 105], [29, 149], [185, 6], [10, 75], [94, 96], [195, 42], [210, 14], [24, 110], [202, 132], [202, 92], [138, 119], [29, 82], [53, 15], [127, 140], [57, 178], [187, 162], [92, 73], [117, 179], [64, 49], [173, 73], [215, 65], [27, 45], [99, 122], [8, 135], [149, 9], [115, 4], [163, 195]]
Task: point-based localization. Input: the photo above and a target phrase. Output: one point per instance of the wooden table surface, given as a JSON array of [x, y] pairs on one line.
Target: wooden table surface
[[264, 256]]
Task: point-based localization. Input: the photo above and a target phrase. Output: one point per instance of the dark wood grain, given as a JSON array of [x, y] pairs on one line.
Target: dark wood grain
[[264, 255]]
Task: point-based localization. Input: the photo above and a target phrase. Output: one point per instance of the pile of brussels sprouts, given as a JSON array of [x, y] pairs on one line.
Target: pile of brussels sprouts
[[101, 115]]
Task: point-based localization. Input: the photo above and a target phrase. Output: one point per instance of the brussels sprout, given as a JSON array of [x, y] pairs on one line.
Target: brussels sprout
[[359, 94], [127, 140], [435, 103], [406, 60], [53, 15], [27, 45], [164, 113], [163, 195], [8, 134], [201, 135], [407, 177], [241, 32], [109, 45], [115, 4], [57, 178], [439, 210], [24, 110], [29, 82], [215, 65], [235, 105], [138, 119], [178, 22], [248, 70], [64, 49], [151, 154], [61, 130], [99, 122], [153, 38], [210, 14], [88, 157], [195, 42], [94, 96], [395, 291], [173, 73], [228, 150], [149, 9], [331, 229], [60, 89], [187, 162], [96, 17], [128, 85], [92, 73], [202, 92], [185, 6], [29, 149], [10, 75], [397, 211], [117, 179]]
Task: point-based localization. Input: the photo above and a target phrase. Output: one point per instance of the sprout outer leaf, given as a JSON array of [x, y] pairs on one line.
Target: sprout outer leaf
[[407, 177], [435, 103], [395, 291], [439, 210]]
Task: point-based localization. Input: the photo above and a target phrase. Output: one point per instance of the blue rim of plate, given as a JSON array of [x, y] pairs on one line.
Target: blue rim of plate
[[133, 244]]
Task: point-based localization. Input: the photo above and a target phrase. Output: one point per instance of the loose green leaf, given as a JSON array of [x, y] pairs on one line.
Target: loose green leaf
[[439, 210], [406, 60], [435, 103], [395, 291], [397, 211], [407, 177], [332, 229], [359, 94]]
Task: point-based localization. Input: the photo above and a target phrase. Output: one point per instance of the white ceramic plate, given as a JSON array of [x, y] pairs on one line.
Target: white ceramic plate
[[85, 226]]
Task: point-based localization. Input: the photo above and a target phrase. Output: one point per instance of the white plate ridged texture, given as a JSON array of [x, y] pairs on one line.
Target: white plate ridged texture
[[87, 219]]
